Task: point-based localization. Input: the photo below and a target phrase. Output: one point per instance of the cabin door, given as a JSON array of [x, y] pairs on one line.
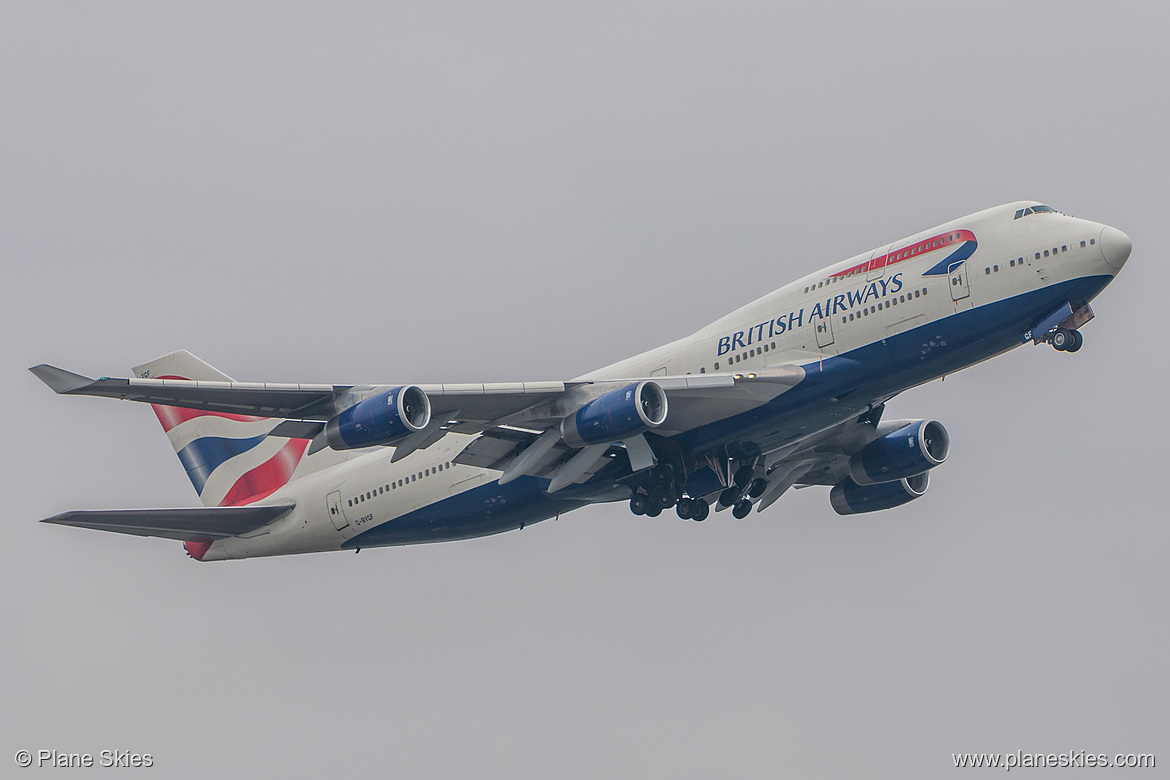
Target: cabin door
[[959, 287], [336, 515], [824, 329]]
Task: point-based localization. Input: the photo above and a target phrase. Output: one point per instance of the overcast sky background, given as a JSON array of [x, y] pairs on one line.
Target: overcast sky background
[[501, 191]]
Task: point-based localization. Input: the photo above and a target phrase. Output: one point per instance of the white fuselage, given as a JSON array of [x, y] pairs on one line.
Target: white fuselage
[[902, 309]]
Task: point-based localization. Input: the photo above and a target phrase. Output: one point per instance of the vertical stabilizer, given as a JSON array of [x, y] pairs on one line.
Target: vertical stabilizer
[[230, 458]]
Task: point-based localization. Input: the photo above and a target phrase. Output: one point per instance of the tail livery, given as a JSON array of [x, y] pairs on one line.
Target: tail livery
[[230, 458]]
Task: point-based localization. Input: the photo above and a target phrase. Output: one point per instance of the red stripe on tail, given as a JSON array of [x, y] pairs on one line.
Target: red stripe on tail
[[268, 477]]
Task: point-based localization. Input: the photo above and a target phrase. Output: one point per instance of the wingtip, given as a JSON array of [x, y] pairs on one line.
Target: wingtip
[[58, 379]]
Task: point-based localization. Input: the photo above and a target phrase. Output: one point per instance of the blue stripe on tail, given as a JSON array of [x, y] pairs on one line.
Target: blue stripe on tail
[[205, 455]]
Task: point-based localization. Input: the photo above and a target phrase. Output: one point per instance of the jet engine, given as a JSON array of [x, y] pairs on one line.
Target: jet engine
[[912, 449], [633, 409], [849, 498], [381, 419]]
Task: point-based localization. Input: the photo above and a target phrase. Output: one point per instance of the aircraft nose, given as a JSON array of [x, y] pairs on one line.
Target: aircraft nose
[[1115, 246]]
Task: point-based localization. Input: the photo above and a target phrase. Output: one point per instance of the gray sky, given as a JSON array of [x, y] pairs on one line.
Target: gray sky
[[426, 192]]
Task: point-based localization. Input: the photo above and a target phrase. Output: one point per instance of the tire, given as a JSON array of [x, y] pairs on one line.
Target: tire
[[638, 503], [758, 487], [684, 508], [1061, 339], [741, 510], [699, 510], [653, 511], [729, 496], [663, 497], [1077, 341]]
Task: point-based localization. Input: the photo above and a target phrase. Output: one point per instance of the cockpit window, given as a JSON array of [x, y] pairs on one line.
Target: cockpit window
[[1035, 210]]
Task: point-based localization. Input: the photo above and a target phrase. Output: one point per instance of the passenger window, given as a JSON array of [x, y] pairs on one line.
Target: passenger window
[[1064, 248], [702, 369], [996, 267], [716, 366], [1046, 253], [1037, 255], [1092, 240], [1082, 245]]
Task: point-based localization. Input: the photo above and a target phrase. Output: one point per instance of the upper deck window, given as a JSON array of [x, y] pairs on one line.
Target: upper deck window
[[1035, 210]]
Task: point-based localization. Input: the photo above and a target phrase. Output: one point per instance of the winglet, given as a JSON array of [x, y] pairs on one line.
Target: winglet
[[60, 380]]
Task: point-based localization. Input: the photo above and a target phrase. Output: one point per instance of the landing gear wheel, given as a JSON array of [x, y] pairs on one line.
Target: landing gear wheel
[[758, 487], [653, 511], [639, 503], [729, 496], [663, 497], [1077, 341], [741, 510], [1061, 339], [685, 508], [699, 510]]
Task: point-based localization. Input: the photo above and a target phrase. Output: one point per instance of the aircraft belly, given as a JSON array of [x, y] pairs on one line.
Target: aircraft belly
[[481, 511]]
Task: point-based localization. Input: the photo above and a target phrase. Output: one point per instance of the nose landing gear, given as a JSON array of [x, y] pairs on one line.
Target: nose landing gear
[[1065, 340]]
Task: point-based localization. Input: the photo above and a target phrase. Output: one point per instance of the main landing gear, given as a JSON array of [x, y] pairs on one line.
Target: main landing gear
[[652, 504], [664, 486], [1065, 340], [663, 490]]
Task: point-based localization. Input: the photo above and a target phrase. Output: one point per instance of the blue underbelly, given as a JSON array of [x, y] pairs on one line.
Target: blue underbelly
[[482, 511]]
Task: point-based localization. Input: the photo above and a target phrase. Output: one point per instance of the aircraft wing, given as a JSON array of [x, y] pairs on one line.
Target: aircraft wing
[[464, 408], [199, 524]]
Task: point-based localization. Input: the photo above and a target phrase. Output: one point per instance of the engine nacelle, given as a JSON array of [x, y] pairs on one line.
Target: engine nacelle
[[381, 419], [849, 498], [633, 409], [912, 449]]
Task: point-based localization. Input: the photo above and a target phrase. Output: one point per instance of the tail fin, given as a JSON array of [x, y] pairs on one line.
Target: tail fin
[[230, 458]]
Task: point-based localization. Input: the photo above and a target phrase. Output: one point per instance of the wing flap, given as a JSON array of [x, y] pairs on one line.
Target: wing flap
[[195, 524]]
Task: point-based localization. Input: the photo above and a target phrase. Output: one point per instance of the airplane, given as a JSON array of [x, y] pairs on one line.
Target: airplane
[[786, 391]]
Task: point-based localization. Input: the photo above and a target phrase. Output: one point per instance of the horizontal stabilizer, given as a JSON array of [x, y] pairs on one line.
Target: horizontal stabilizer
[[198, 524]]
